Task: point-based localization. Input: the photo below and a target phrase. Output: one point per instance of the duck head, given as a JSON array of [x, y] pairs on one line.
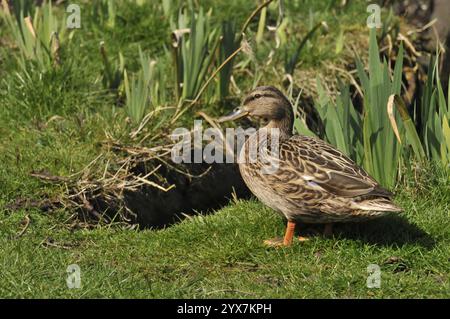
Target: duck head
[[265, 103]]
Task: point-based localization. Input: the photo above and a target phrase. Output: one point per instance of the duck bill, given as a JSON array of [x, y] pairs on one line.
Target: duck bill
[[236, 114]]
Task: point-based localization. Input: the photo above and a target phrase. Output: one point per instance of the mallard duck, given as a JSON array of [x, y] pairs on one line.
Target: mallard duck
[[313, 181]]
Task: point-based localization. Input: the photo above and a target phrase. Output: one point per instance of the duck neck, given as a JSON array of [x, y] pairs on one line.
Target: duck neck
[[284, 126]]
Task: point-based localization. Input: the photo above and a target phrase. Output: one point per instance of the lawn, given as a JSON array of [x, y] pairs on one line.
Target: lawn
[[222, 255], [57, 121]]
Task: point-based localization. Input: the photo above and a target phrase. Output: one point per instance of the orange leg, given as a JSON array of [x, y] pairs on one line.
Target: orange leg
[[286, 240], [289, 234]]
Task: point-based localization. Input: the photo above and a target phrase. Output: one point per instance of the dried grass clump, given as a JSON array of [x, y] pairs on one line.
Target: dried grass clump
[[100, 198]]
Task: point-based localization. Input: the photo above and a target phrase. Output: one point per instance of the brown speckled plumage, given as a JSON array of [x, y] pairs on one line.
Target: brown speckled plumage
[[314, 182]]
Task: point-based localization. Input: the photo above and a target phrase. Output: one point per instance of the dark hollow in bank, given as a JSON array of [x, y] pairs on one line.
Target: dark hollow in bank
[[202, 194]]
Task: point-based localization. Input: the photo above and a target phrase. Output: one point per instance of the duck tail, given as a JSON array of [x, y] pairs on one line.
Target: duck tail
[[378, 204]]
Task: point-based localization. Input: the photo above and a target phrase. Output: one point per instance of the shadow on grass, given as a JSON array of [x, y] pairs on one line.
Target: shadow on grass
[[386, 231]]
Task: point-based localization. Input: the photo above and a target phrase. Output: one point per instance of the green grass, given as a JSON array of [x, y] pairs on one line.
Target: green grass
[[222, 255], [56, 121]]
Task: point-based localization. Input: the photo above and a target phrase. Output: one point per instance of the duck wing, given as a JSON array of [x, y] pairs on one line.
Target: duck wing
[[319, 163]]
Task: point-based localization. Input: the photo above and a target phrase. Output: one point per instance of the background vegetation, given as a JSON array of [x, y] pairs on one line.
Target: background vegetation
[[132, 73]]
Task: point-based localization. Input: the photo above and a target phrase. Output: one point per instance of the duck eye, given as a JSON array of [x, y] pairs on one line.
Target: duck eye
[[257, 96]]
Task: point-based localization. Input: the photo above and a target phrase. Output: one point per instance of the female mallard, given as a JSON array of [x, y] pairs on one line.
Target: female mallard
[[313, 181]]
